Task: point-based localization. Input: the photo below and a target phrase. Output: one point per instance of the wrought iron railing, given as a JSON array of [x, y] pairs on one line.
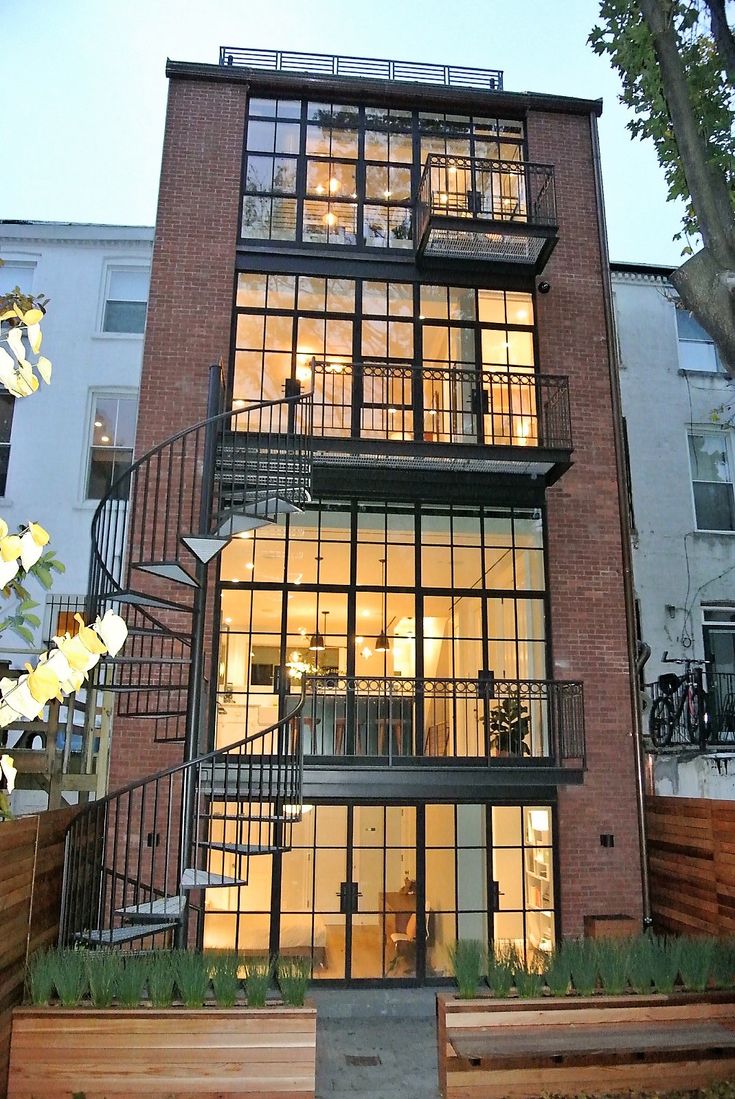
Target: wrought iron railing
[[126, 855], [404, 402], [718, 720], [364, 68], [475, 189], [394, 720]]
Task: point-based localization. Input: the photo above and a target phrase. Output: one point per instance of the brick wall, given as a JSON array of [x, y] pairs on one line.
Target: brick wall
[[190, 306], [585, 558]]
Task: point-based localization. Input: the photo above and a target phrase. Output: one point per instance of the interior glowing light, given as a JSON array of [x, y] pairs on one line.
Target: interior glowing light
[[235, 580], [335, 368], [366, 614], [295, 810], [443, 198], [98, 423], [366, 652], [297, 580], [387, 194], [359, 640], [239, 403], [354, 194], [104, 438], [540, 820], [431, 412], [330, 218], [228, 621], [333, 185], [250, 566], [302, 631], [392, 411], [319, 189], [244, 534]]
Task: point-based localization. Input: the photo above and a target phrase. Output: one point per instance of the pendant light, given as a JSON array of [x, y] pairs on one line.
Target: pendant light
[[316, 644], [316, 641], [382, 644]]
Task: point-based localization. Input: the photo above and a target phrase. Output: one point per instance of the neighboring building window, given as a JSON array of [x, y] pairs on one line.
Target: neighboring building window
[[712, 482], [126, 299], [7, 404], [719, 641], [697, 349], [111, 448], [18, 274]]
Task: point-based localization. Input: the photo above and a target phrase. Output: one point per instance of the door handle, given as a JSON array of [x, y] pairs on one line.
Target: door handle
[[497, 894]]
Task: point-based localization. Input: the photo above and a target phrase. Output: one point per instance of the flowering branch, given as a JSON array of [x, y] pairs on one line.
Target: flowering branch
[[20, 331], [62, 670], [22, 555]]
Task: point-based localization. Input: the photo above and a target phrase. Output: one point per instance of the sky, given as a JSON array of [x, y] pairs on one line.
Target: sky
[[84, 91]]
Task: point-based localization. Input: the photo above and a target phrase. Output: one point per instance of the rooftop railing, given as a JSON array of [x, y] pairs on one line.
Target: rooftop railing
[[362, 68]]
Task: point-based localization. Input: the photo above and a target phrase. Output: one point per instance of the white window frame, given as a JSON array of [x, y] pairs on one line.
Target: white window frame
[[113, 393], [111, 265], [727, 435], [709, 342], [21, 259]]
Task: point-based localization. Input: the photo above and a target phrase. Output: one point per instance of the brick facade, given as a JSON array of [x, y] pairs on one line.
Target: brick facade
[[588, 627], [189, 328]]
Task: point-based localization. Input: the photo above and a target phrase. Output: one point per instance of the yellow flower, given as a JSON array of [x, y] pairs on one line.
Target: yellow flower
[[3, 528], [89, 638], [10, 547], [79, 657], [38, 534], [19, 697], [43, 682]]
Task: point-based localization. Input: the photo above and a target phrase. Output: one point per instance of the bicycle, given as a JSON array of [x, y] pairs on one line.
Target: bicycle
[[680, 696]]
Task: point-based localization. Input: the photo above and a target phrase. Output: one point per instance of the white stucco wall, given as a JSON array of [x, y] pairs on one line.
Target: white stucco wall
[[51, 429], [674, 564]]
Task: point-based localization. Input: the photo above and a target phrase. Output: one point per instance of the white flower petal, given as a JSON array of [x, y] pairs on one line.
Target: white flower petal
[[8, 569], [112, 630], [7, 768], [21, 700], [30, 551]]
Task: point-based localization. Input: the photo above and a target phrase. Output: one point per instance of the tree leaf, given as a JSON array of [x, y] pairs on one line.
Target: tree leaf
[[24, 632]]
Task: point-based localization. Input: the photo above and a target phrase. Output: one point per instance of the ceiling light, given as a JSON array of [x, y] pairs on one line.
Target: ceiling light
[[239, 403], [319, 189], [235, 580], [104, 438], [359, 640], [228, 621], [386, 194], [330, 218], [333, 185], [382, 644], [98, 423], [250, 566]]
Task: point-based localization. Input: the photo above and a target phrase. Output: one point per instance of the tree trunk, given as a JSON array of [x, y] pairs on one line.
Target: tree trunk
[[699, 284]]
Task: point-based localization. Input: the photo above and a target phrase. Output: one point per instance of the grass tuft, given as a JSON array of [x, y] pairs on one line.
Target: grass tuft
[[503, 961], [612, 964], [468, 960], [582, 957], [529, 978], [665, 955], [161, 979], [41, 978], [558, 971], [191, 970], [69, 976], [131, 979], [103, 967], [258, 975], [294, 975], [696, 961], [224, 966], [641, 964]]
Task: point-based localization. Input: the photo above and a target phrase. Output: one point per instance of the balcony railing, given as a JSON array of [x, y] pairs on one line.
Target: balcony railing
[[362, 68], [494, 721], [493, 210], [403, 402], [719, 723]]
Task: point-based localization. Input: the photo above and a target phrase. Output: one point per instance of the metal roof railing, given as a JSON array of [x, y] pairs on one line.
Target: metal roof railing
[[365, 68]]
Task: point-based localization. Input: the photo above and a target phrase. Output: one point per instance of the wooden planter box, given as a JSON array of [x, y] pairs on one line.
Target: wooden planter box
[[175, 1053], [492, 1048]]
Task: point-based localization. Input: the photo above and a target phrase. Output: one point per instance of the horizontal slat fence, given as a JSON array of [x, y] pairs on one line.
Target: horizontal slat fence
[[691, 858], [31, 865]]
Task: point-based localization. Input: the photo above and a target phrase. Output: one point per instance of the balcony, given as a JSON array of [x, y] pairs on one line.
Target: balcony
[[717, 731], [498, 212], [485, 722], [510, 423]]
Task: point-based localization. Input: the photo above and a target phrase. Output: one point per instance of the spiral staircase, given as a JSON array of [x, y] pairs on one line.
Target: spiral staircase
[[138, 862]]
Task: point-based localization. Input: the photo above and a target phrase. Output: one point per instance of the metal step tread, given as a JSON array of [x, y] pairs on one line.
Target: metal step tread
[[167, 908], [239, 848], [234, 817], [202, 879], [113, 936]]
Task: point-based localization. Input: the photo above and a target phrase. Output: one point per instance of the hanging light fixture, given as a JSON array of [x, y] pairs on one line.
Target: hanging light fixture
[[316, 641], [382, 644], [316, 644]]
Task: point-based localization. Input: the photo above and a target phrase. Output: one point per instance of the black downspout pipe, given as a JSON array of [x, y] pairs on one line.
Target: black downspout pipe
[[628, 583], [196, 667]]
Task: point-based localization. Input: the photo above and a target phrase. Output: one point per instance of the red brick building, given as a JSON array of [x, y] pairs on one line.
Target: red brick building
[[426, 252]]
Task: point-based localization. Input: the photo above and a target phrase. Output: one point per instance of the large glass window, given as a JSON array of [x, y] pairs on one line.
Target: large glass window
[[111, 444], [338, 174], [383, 592]]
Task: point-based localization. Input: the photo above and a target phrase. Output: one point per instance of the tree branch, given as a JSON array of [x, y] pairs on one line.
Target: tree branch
[[723, 36], [706, 183]]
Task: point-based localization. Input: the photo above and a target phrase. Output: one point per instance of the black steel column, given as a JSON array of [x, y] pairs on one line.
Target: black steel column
[[196, 667]]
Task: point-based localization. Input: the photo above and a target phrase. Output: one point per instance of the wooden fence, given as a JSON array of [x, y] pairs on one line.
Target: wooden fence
[[691, 857], [31, 865]]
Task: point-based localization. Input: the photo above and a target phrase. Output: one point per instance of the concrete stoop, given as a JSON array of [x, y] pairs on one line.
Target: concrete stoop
[[376, 1042]]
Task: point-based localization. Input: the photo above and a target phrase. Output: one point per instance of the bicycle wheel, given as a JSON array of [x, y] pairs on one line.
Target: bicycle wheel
[[695, 705], [661, 722]]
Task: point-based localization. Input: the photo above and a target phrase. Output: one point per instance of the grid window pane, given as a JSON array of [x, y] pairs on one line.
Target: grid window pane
[[714, 496], [111, 450]]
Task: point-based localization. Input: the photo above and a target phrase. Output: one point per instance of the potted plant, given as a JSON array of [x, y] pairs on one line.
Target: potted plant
[[91, 1014], [509, 724]]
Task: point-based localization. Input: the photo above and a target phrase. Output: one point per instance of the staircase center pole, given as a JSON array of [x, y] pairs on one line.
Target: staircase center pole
[[196, 667]]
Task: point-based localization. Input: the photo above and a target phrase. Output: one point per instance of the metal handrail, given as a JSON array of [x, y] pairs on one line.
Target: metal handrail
[[115, 856], [366, 68], [719, 727], [408, 401], [527, 721]]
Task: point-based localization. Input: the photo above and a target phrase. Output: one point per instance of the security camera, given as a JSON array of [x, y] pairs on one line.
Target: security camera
[[544, 287]]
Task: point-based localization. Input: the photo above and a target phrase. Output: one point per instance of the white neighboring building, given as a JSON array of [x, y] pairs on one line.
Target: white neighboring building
[[681, 450], [61, 447]]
